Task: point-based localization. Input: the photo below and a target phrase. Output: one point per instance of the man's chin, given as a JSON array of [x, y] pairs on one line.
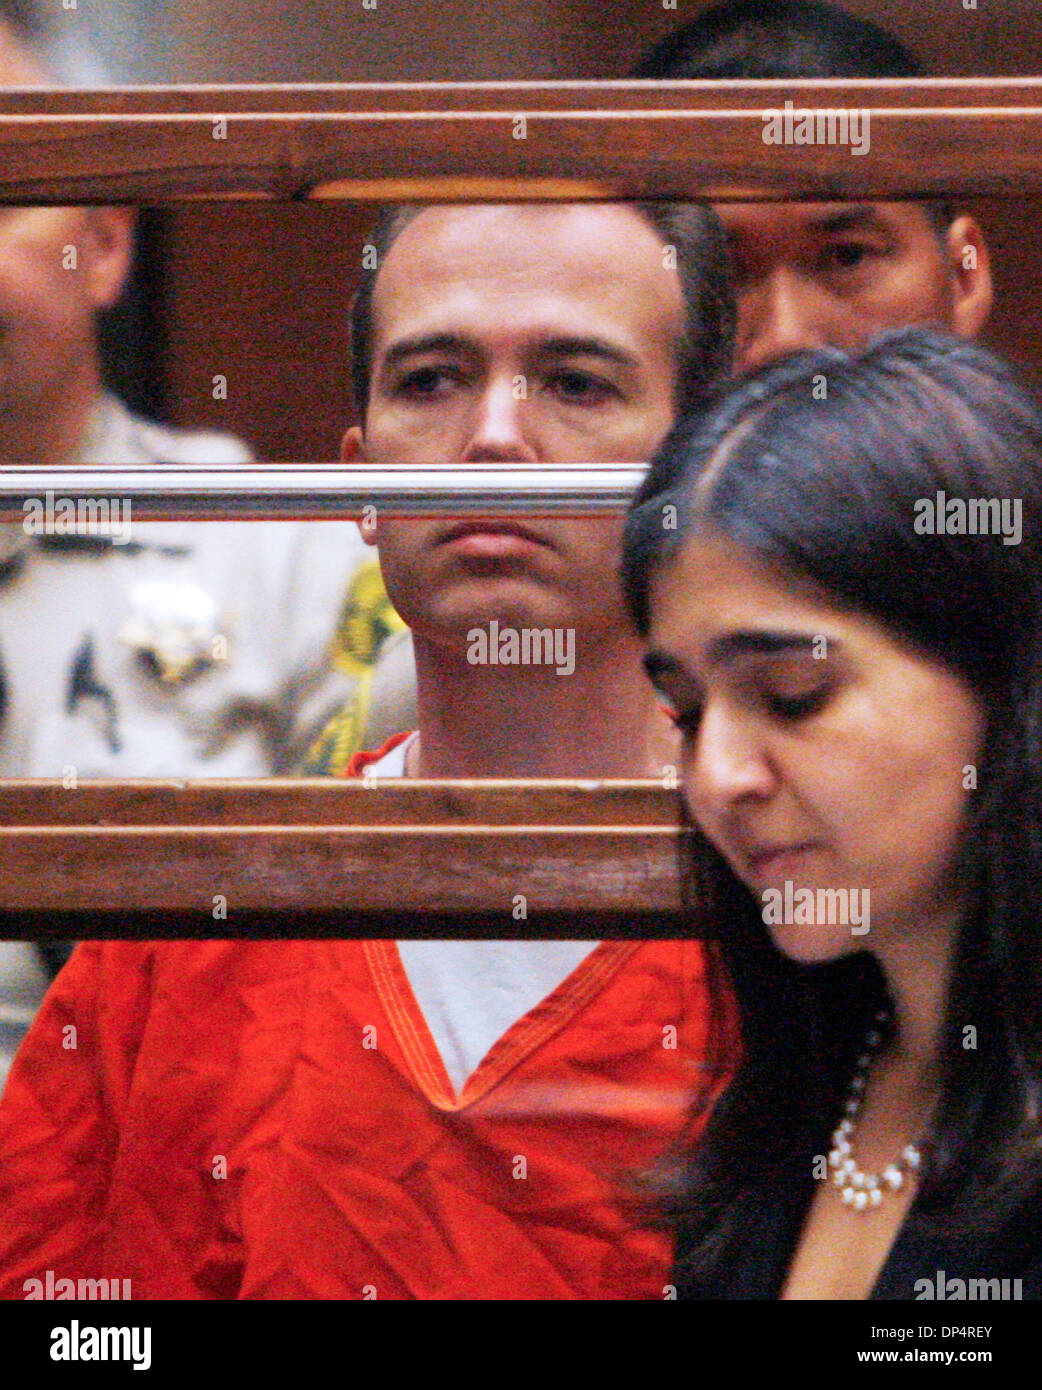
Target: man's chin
[[457, 627], [499, 619], [516, 601]]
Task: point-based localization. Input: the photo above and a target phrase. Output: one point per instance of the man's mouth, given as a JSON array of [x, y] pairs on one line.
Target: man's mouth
[[490, 540], [490, 528]]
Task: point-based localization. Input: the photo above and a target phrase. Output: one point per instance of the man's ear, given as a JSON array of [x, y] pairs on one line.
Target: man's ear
[[352, 446], [970, 266], [352, 450], [109, 246]]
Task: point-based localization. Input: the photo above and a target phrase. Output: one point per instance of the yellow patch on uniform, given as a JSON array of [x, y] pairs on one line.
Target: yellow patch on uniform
[[335, 746], [367, 618]]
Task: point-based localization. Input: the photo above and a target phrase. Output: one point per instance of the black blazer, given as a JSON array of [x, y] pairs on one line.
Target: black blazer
[[920, 1264]]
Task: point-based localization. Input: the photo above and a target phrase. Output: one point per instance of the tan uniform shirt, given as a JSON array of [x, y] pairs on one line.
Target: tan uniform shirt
[[197, 649]]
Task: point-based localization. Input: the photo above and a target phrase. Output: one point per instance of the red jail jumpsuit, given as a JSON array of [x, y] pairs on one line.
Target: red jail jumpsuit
[[272, 1119]]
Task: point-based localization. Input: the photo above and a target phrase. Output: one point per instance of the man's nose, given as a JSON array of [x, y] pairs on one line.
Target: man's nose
[[781, 314], [497, 428], [727, 762]]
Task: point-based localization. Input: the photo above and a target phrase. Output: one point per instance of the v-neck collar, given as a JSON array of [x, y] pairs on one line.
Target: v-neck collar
[[519, 1041]]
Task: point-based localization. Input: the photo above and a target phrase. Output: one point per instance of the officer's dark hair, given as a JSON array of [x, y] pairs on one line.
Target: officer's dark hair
[[25, 18], [778, 38], [706, 344], [784, 39]]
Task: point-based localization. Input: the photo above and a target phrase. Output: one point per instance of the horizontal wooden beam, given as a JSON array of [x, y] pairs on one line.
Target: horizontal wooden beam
[[501, 859], [623, 94], [492, 141], [43, 803]]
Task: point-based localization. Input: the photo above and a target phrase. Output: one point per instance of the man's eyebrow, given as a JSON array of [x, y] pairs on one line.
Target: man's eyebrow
[[854, 219], [427, 342], [586, 347], [456, 344]]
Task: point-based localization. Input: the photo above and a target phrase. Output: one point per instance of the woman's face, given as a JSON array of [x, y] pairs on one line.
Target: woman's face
[[818, 752]]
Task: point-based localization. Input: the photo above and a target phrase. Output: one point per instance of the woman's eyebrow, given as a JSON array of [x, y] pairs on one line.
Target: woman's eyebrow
[[727, 648], [757, 642], [731, 645], [659, 663], [722, 650]]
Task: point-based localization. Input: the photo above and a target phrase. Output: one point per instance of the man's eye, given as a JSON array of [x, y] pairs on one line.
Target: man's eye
[[424, 382], [848, 255], [580, 387], [739, 272]]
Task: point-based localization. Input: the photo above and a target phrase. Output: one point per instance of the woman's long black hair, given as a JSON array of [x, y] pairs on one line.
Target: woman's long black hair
[[816, 465]]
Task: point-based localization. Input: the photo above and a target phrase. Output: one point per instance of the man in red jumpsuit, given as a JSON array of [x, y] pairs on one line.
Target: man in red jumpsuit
[[330, 1119]]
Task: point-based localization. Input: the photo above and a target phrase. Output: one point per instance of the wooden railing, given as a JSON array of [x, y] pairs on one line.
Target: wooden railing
[[563, 140], [338, 857]]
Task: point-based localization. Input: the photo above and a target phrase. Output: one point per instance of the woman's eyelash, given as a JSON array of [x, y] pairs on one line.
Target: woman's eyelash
[[789, 707], [797, 706], [687, 720]]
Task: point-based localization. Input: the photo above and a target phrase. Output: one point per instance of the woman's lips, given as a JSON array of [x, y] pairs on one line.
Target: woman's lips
[[784, 861]]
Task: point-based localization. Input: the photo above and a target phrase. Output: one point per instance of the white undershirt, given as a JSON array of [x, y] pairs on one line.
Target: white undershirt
[[471, 992]]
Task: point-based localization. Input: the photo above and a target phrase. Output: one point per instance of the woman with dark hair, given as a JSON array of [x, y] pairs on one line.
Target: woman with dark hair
[[838, 568]]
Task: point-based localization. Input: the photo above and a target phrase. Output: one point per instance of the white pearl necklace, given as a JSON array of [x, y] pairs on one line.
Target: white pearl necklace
[[864, 1191]]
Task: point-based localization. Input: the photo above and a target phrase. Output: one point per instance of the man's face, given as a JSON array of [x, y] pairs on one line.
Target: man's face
[[522, 335], [809, 275]]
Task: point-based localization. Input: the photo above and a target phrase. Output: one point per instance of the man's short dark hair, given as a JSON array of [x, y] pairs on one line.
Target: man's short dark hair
[[705, 348], [784, 39]]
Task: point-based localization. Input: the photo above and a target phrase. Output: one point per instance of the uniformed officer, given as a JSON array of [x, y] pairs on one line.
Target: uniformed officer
[[136, 650]]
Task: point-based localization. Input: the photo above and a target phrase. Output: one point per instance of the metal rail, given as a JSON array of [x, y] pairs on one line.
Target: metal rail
[[56, 499]]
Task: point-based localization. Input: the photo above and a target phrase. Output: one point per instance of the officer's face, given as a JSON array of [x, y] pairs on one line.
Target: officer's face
[[45, 301], [810, 275], [57, 266], [521, 335]]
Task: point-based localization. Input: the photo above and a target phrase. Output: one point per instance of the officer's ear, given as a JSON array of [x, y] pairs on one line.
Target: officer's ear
[[970, 268], [352, 450], [107, 253]]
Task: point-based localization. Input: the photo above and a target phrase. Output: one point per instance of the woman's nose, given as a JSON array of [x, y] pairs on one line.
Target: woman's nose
[[726, 762]]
